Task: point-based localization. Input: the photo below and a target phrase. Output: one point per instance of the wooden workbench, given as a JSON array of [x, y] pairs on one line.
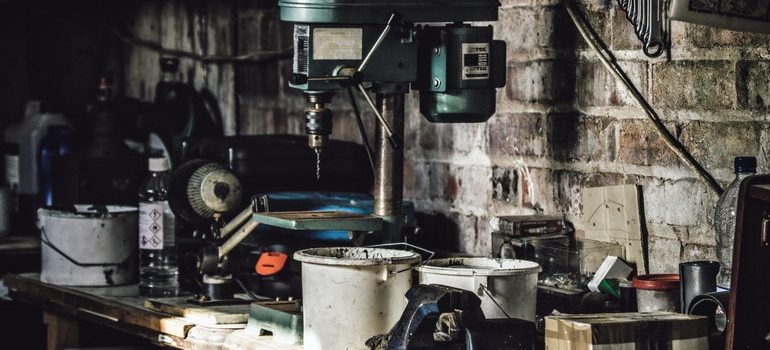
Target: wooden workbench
[[19, 254], [123, 309]]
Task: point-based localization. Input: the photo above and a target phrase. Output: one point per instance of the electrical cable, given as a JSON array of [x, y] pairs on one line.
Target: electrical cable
[[606, 57], [257, 57], [361, 129], [248, 291]]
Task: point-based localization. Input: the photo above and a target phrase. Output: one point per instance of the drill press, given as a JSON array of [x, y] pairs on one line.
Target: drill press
[[375, 45], [378, 46]]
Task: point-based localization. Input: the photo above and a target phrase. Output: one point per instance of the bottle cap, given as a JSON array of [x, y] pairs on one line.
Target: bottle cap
[[169, 64], [158, 164], [745, 164]]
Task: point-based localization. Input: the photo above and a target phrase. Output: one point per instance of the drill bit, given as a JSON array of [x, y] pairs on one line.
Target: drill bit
[[318, 164]]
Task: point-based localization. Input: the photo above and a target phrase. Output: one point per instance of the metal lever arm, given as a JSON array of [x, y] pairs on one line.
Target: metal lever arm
[[379, 41], [364, 63], [392, 139], [236, 222], [239, 235]]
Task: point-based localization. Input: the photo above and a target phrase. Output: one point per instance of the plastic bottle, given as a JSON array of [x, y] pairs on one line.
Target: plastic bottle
[[11, 179], [33, 130], [57, 178], [110, 172], [181, 111], [158, 271], [9, 203], [724, 218]]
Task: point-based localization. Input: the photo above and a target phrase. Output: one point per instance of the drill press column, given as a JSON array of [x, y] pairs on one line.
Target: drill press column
[[389, 164]]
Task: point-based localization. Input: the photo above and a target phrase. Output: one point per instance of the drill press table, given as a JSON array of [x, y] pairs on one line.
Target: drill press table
[[121, 308]]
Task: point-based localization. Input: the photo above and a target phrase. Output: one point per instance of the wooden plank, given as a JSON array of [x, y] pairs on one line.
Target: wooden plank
[[62, 332], [204, 29], [14, 35], [760, 192], [209, 315], [109, 310], [142, 66], [16, 243], [747, 321]]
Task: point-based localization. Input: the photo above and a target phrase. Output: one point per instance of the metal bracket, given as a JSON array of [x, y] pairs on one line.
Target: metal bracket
[[320, 220]]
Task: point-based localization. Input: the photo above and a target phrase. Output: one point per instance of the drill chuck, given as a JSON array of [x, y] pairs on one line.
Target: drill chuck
[[318, 125]]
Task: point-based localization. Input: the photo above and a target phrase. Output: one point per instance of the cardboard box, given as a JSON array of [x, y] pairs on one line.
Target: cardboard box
[[626, 331]]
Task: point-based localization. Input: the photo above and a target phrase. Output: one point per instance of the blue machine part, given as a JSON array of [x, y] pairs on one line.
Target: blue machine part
[[356, 203]]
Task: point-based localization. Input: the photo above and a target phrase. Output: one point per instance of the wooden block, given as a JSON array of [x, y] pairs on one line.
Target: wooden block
[[611, 214], [62, 332], [202, 315], [244, 339]]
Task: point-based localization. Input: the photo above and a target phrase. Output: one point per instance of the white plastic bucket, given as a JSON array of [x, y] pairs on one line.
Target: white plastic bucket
[[83, 247], [509, 283], [352, 294]]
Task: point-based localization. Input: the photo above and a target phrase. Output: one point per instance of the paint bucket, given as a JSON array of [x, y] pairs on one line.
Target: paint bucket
[[352, 294], [657, 292], [89, 246], [507, 287]]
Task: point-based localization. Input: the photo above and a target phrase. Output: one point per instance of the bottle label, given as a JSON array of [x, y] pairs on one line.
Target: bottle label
[[301, 49], [151, 225], [12, 171], [337, 43], [476, 61]]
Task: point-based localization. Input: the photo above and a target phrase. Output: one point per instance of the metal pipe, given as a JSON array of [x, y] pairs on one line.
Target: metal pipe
[[239, 235], [382, 122], [235, 222], [389, 161]]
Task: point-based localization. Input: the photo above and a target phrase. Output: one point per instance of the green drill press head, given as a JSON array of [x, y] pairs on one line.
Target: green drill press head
[[378, 11], [456, 66]]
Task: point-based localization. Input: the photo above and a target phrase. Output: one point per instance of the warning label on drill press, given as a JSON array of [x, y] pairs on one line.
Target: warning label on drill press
[[337, 44], [301, 49], [475, 61], [151, 225]]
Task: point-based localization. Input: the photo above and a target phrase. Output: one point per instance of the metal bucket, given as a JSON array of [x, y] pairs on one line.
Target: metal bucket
[[89, 246], [352, 294], [506, 287]]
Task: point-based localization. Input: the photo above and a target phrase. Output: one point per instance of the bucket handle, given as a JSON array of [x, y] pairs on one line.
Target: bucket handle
[[44, 239], [482, 289], [409, 245]]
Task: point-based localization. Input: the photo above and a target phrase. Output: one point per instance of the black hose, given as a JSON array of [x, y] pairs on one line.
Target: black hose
[[361, 129]]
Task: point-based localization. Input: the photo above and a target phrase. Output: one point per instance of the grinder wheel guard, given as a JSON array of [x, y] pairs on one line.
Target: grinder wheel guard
[[200, 189]]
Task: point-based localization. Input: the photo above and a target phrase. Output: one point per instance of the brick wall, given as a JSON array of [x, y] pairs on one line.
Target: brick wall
[[561, 117], [565, 118]]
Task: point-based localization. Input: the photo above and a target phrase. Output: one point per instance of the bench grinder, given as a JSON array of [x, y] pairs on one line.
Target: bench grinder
[[385, 47]]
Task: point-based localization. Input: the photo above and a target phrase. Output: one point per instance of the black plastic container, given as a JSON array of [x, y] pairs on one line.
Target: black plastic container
[[697, 277]]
